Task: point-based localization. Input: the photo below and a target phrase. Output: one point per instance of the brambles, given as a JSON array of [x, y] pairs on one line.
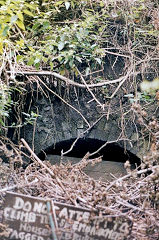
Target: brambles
[[151, 158]]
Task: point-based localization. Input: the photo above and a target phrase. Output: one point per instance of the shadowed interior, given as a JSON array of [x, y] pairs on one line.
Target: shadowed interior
[[111, 152]]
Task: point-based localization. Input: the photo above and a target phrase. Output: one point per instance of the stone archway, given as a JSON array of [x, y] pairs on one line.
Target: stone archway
[[73, 150], [59, 122], [79, 148]]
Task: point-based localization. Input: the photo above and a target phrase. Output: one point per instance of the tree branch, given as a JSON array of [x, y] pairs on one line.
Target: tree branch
[[67, 80]]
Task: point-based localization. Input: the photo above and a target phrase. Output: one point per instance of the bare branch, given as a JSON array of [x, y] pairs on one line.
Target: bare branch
[[81, 135], [67, 80], [47, 169], [18, 186], [50, 90], [89, 90], [121, 83]]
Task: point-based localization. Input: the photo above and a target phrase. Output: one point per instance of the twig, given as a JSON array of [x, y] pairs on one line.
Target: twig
[[89, 90], [104, 145], [116, 54], [50, 90], [18, 29], [120, 84], [129, 175], [81, 135], [125, 203], [47, 169], [18, 186], [36, 158]]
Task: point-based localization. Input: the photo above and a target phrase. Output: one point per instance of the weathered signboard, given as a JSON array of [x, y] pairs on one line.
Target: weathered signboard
[[81, 224], [26, 217]]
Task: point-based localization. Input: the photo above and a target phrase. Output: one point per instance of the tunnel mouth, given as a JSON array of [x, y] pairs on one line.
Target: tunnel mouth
[[109, 152]]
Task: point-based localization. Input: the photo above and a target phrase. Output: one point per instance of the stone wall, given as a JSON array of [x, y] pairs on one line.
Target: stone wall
[[58, 122]]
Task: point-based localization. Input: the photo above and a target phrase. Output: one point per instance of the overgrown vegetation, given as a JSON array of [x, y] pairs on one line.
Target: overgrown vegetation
[[78, 40], [65, 36]]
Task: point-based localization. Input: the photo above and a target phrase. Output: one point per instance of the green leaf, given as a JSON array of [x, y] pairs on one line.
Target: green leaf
[[51, 65], [20, 16], [71, 63], [1, 47], [61, 45], [87, 71], [98, 60], [31, 49], [101, 4], [20, 42], [9, 11], [79, 59], [35, 26], [28, 13], [72, 4], [1, 122], [46, 24], [37, 60], [67, 5], [62, 72], [37, 65], [20, 24], [5, 31], [14, 19], [19, 57], [30, 61], [58, 3], [26, 114], [31, 6], [59, 58]]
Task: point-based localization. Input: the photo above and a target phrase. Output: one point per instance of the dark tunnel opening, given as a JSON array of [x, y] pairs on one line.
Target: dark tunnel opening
[[110, 152]]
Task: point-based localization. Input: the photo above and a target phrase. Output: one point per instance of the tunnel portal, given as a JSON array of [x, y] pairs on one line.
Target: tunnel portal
[[109, 152]]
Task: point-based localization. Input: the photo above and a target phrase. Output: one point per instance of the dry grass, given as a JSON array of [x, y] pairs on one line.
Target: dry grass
[[134, 195]]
